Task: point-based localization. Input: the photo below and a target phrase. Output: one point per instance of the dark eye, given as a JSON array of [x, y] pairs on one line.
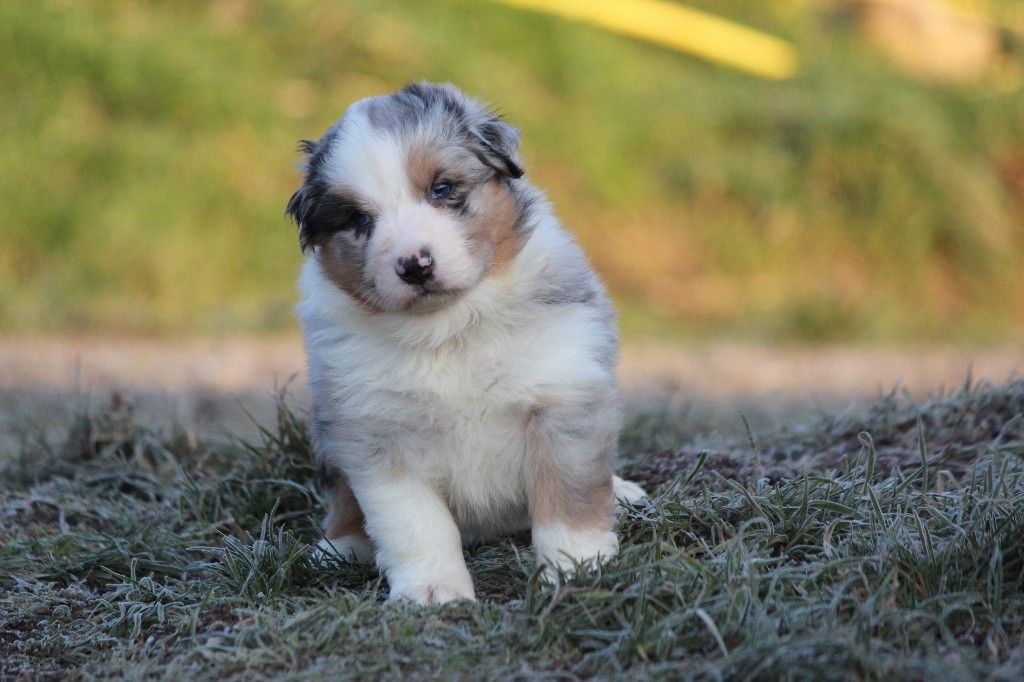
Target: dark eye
[[360, 219], [441, 190]]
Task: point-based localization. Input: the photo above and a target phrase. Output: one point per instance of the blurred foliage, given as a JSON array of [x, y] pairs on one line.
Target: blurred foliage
[[147, 150]]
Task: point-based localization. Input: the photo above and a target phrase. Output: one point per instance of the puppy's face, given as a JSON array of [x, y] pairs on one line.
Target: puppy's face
[[410, 199]]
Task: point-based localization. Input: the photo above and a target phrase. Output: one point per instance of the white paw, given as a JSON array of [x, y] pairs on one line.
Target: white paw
[[561, 549], [627, 491], [351, 548], [433, 592]]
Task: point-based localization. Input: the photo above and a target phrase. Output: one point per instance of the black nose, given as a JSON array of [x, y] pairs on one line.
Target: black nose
[[416, 269]]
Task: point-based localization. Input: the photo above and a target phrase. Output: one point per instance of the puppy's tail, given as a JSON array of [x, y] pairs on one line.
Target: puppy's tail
[[627, 491]]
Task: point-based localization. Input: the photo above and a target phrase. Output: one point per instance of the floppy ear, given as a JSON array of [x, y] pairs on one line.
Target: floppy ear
[[498, 144], [302, 206], [494, 142]]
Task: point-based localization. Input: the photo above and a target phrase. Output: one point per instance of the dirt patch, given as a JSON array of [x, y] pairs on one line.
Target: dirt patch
[[949, 432], [224, 387]]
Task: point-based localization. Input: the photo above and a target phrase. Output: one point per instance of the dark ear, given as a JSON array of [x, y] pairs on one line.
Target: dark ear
[[498, 146], [495, 142], [302, 206]]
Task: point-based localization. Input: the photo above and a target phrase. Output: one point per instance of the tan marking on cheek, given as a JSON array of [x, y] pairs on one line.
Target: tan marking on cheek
[[345, 516], [493, 228], [346, 275], [556, 498]]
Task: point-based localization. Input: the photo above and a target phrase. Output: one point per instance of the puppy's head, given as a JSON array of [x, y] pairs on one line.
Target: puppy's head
[[410, 199]]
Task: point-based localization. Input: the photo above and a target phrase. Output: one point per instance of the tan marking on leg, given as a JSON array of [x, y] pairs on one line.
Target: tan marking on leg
[[576, 503], [345, 516]]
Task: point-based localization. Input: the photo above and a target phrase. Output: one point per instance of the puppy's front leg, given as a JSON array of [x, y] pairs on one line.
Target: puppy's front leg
[[569, 459], [419, 548]]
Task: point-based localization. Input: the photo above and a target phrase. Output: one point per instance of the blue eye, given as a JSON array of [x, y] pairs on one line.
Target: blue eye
[[360, 219], [441, 190]]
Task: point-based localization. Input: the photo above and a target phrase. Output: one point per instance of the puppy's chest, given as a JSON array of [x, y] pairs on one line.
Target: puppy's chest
[[465, 393], [469, 413]]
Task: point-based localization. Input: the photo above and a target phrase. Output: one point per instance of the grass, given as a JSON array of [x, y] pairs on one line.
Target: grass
[[147, 151], [885, 542]]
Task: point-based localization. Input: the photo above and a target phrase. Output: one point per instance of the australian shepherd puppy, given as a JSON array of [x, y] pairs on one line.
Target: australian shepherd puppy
[[461, 350]]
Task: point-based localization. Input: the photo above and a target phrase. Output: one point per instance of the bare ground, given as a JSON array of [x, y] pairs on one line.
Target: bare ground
[[212, 387]]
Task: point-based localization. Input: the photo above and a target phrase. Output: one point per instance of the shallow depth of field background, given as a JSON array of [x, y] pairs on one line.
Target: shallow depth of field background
[[780, 251], [147, 151]]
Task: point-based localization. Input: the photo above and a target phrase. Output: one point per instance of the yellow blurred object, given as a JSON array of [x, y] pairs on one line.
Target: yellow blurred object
[[680, 28]]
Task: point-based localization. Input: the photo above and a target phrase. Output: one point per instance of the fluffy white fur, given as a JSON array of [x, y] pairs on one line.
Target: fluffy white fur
[[349, 548], [436, 417], [627, 491], [561, 549], [405, 222]]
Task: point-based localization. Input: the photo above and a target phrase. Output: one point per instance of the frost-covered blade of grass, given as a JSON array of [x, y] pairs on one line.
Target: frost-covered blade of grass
[[883, 543]]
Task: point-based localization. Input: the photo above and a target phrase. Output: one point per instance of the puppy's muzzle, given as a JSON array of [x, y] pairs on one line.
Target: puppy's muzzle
[[416, 270]]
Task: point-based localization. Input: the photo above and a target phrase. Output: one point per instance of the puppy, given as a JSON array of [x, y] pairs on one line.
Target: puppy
[[461, 350]]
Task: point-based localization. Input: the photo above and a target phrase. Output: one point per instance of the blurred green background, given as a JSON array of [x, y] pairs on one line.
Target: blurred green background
[[147, 150]]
